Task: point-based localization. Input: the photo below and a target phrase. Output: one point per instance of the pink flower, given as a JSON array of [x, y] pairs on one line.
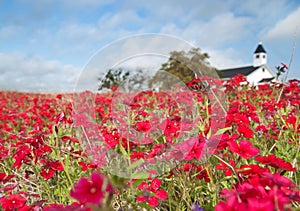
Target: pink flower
[[245, 149], [90, 191], [143, 126]]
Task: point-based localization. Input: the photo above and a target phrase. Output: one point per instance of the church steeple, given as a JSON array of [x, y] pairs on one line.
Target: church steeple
[[259, 56]]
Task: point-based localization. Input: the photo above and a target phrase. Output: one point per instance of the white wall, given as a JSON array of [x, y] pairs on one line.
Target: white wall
[[259, 74]]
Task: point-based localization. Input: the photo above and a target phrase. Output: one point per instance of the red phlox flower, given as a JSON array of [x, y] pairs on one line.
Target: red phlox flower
[[111, 138], [90, 190], [170, 127], [252, 170], [151, 193], [231, 205], [196, 150], [202, 174], [60, 117], [284, 65], [12, 202], [86, 166], [49, 168], [143, 126], [275, 162], [224, 167], [245, 131], [5, 177], [137, 155], [255, 204], [244, 149], [22, 155], [261, 192], [80, 120], [279, 180]]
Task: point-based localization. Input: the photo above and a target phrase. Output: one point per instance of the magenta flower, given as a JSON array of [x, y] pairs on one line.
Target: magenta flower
[[245, 149], [90, 191]]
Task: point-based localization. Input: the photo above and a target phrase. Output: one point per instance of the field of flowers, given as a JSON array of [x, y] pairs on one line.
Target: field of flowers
[[53, 156]]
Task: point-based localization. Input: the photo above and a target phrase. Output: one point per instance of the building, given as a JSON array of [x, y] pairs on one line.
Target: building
[[258, 72]]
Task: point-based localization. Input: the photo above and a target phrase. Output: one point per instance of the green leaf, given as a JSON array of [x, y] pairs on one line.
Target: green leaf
[[223, 130], [136, 164], [123, 151], [140, 175], [208, 134]]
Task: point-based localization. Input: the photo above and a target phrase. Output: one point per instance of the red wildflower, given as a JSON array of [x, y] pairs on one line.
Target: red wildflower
[[154, 195], [244, 149], [196, 151], [231, 205], [80, 120], [264, 192], [5, 177], [255, 204], [252, 170], [143, 126], [22, 155], [245, 131], [284, 65], [137, 155], [224, 167], [49, 168], [111, 138], [86, 166], [275, 162], [171, 127], [90, 190], [12, 202], [202, 174]]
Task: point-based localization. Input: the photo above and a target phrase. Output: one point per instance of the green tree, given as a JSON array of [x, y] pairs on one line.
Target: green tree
[[181, 67], [125, 79], [113, 77]]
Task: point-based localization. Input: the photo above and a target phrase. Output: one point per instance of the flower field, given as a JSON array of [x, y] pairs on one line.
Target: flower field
[[154, 151]]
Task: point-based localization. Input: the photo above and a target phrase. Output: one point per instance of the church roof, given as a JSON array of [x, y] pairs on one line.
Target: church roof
[[229, 73], [260, 49]]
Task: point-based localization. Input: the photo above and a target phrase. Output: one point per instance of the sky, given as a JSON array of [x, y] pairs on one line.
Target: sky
[[46, 45]]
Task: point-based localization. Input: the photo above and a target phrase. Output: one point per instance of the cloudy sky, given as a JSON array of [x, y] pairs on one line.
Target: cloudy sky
[[45, 45]]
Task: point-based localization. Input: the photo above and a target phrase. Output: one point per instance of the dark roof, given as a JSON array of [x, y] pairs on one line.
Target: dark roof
[[229, 73], [266, 80], [260, 49]]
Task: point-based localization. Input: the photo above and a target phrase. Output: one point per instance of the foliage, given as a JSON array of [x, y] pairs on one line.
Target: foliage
[[182, 67], [125, 79], [113, 78]]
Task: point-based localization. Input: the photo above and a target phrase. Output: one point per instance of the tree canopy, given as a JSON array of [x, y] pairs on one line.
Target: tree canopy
[[181, 67]]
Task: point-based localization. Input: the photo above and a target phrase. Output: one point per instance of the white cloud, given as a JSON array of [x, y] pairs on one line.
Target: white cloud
[[222, 59], [31, 73], [285, 28], [218, 30]]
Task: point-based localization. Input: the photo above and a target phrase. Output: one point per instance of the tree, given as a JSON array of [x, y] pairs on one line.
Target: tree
[[181, 67], [113, 78], [127, 80]]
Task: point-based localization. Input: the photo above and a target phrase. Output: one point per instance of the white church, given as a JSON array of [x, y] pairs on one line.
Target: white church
[[257, 73]]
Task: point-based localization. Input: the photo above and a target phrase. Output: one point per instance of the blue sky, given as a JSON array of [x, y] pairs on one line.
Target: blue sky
[[45, 45]]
